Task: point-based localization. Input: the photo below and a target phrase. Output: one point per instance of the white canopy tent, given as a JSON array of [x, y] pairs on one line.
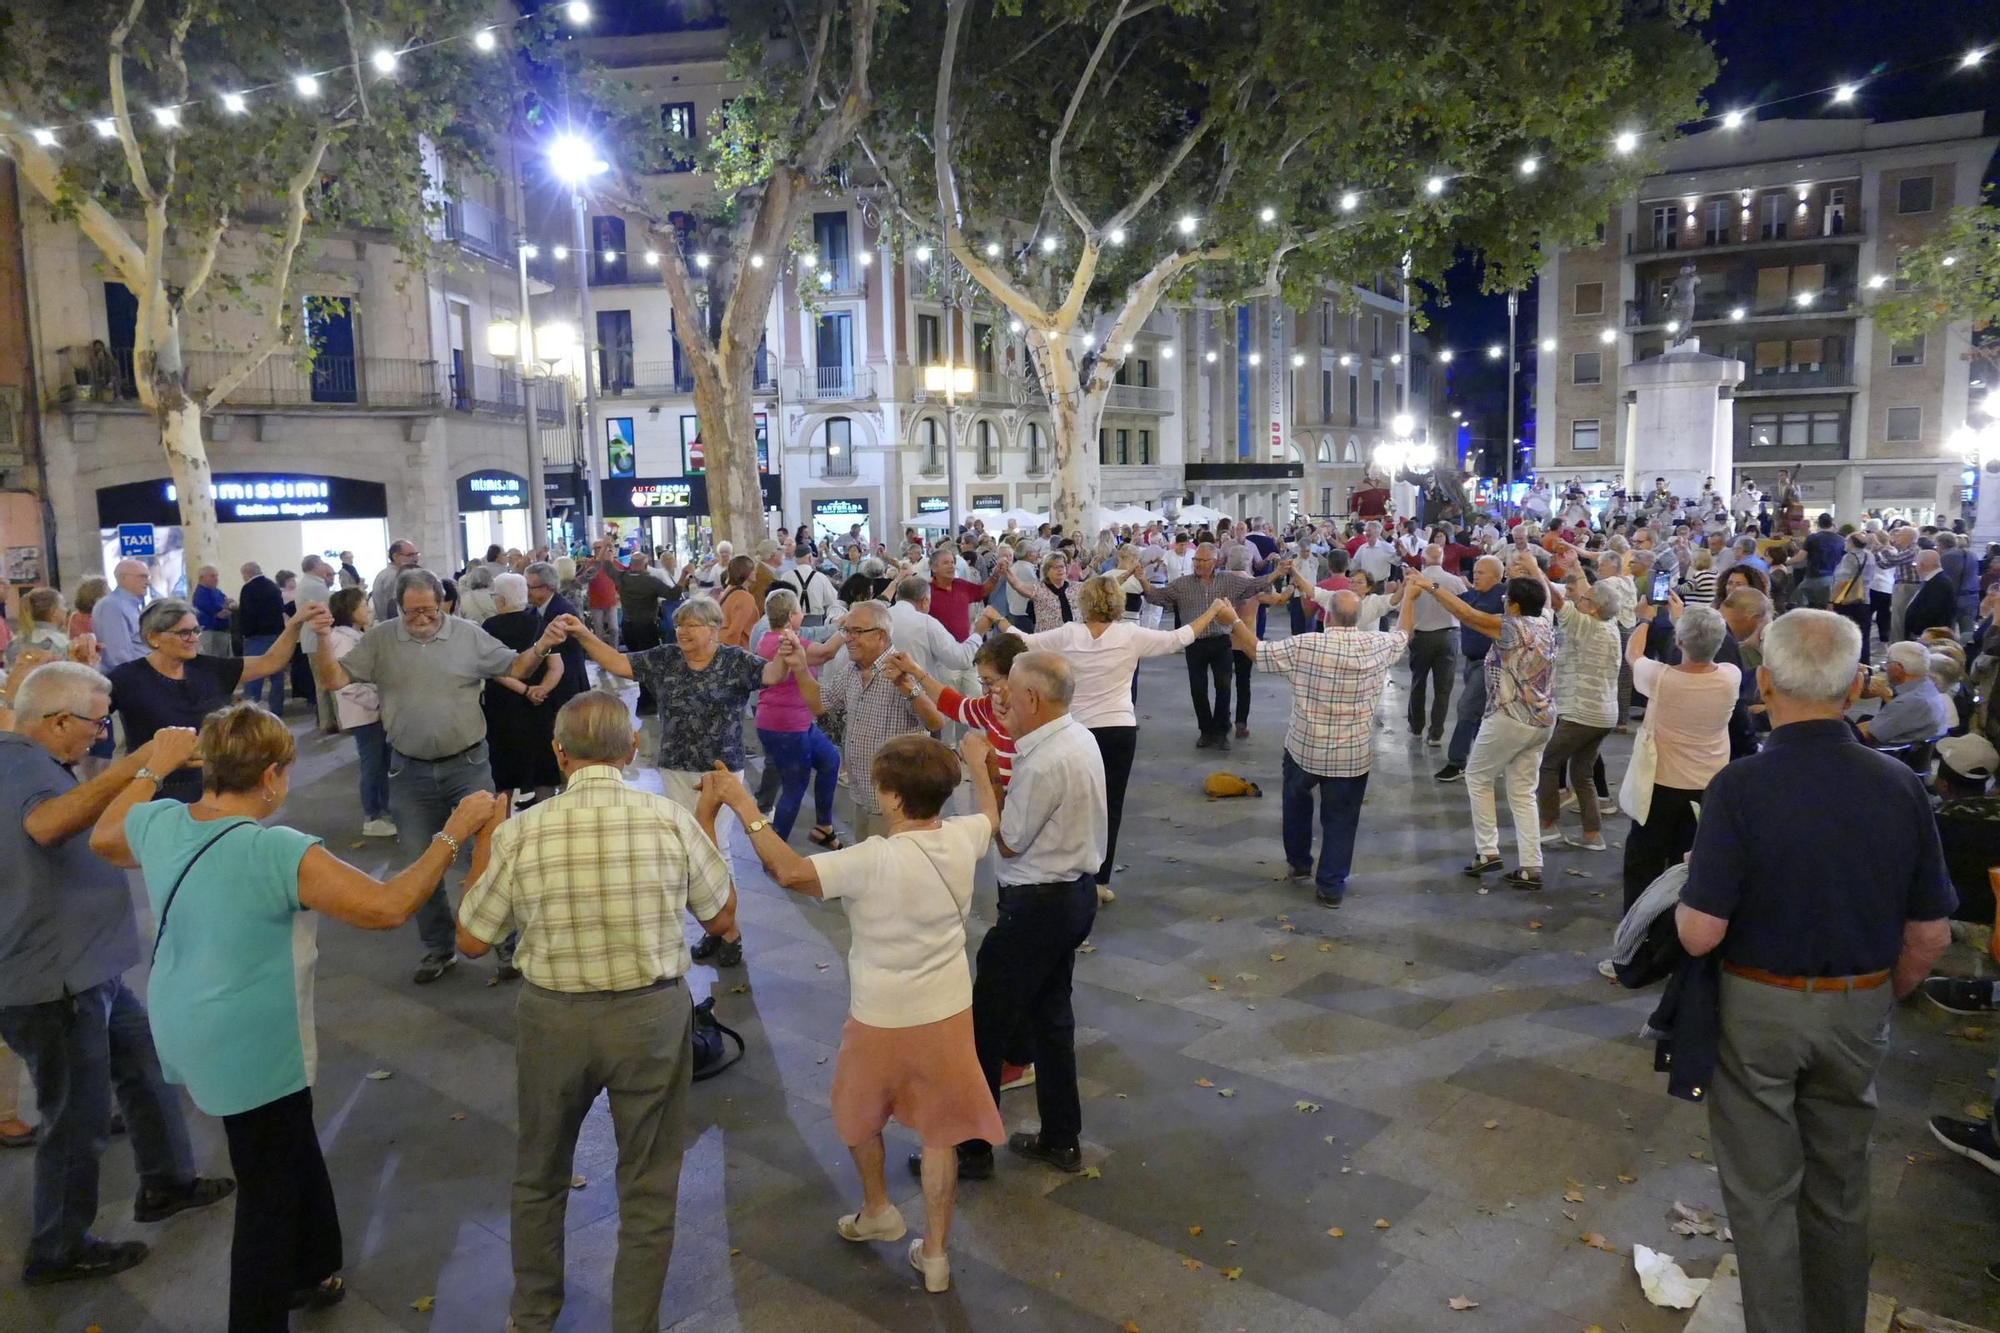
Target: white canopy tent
[[1132, 514], [996, 520], [1199, 515]]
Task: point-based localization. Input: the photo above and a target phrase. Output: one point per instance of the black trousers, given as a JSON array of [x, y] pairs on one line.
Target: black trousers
[[1665, 837], [287, 1232], [1433, 657], [1860, 613], [641, 635], [1209, 659], [1244, 666], [1883, 604], [1116, 745], [1026, 965]]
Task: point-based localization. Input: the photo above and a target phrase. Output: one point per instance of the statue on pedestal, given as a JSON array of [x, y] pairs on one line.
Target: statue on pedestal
[[1680, 304]]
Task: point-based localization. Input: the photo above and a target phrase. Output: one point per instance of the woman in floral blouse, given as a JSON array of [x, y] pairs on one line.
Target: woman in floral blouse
[[1052, 598]]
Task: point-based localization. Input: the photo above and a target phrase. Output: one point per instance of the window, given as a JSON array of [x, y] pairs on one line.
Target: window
[[1667, 227], [1325, 454], [1586, 368], [607, 250], [1907, 351], [1588, 299], [1806, 354], [1833, 220], [1326, 395], [930, 341], [1905, 423], [1035, 460], [1325, 322], [1763, 429], [1375, 342], [1795, 429], [1103, 447], [614, 350], [1771, 216], [1326, 497], [931, 443], [1584, 436], [1774, 288], [983, 350], [1375, 402], [1809, 279], [329, 329], [1914, 195], [1143, 373], [1124, 446], [1399, 336], [1145, 446], [834, 350], [1353, 399], [1600, 233], [1828, 428], [1770, 357], [988, 456], [1715, 222], [677, 119], [839, 444], [830, 239]]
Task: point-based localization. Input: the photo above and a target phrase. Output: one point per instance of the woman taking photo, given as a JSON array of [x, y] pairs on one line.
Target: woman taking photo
[[358, 707], [173, 685], [907, 1047], [232, 985]]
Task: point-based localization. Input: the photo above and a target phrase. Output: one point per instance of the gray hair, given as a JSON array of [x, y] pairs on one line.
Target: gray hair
[[1746, 545], [1239, 560], [1811, 656], [766, 549], [59, 687], [1700, 633], [1748, 602], [206, 570], [1499, 565], [418, 579], [779, 604], [1605, 601], [312, 564], [1048, 675], [595, 727], [1946, 671], [161, 616], [510, 592], [877, 615], [250, 569], [1947, 541], [913, 588], [698, 610], [1913, 657], [1343, 609], [479, 576], [544, 574]]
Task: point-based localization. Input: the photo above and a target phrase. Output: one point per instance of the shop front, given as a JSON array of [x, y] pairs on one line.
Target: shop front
[[273, 519], [989, 501], [835, 516], [667, 512], [492, 511], [565, 498]]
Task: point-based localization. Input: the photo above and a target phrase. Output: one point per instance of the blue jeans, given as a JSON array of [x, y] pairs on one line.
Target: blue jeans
[[256, 645], [799, 755], [422, 793], [1339, 814], [80, 1050], [372, 748], [1471, 709]]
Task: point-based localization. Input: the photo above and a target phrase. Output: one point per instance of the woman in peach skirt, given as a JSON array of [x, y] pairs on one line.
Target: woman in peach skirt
[[906, 1052]]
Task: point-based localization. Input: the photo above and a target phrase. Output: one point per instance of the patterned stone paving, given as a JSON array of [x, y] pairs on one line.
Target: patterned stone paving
[[1466, 1062]]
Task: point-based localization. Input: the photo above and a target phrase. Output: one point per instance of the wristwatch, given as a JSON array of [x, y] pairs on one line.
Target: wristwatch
[[756, 826], [147, 775]]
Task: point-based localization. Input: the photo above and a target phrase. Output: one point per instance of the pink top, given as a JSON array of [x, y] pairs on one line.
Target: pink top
[[780, 707]]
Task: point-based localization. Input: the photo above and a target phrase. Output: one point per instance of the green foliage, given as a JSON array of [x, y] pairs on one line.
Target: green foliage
[[1953, 276]]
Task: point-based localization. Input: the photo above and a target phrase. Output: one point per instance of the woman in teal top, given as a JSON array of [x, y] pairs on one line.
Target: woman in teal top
[[232, 985]]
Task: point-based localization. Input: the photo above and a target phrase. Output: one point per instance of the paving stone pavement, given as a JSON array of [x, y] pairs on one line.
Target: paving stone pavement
[[1444, 1062]]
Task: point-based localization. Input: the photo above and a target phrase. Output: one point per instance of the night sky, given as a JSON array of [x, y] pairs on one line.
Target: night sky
[[1767, 52]]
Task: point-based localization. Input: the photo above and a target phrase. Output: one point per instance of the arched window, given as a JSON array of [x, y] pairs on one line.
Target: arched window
[[1325, 454], [930, 442], [1351, 451], [837, 440], [987, 460]]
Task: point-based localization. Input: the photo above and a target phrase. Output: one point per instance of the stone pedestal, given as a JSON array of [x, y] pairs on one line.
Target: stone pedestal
[[1986, 506], [1682, 426]]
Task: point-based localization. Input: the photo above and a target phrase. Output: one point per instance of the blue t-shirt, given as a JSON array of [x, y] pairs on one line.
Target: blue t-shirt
[[231, 992]]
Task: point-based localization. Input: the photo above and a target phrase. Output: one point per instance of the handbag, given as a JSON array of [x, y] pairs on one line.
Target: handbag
[[705, 1040], [160, 930], [1635, 790]]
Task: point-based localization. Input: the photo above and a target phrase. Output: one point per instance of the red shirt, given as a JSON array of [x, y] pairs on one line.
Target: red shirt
[[977, 711], [1372, 502], [1458, 557], [952, 607], [1331, 583], [603, 593]]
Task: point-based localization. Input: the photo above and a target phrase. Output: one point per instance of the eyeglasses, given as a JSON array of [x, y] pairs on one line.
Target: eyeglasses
[[97, 723], [184, 635]]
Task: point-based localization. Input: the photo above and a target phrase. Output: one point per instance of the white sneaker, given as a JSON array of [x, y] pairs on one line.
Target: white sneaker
[[1606, 969], [378, 828], [1551, 835], [1590, 842], [1105, 895]]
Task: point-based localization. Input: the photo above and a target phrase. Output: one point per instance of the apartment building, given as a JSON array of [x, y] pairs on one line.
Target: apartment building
[[1791, 227], [23, 533]]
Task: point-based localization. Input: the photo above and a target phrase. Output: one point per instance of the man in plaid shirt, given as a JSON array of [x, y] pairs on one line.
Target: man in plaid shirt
[[1336, 680]]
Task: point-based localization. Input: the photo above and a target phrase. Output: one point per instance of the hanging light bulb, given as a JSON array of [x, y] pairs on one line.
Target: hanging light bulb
[[701, 262], [1208, 356], [1530, 165], [1015, 326], [1626, 141], [561, 252], [809, 259], [1548, 344], [1048, 245], [1267, 214], [233, 103], [1733, 120], [923, 254], [756, 261], [1256, 359], [1166, 354], [576, 11], [46, 138], [1845, 92], [384, 61], [1434, 186], [865, 258], [1349, 202], [106, 128], [652, 259], [1298, 359], [1187, 224], [993, 249], [484, 40], [306, 85], [167, 117], [1117, 236], [1445, 356]]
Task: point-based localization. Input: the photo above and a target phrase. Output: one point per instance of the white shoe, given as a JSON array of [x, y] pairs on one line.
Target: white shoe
[[937, 1272], [883, 1226], [1105, 895], [1606, 969], [378, 828], [1569, 803], [1551, 835], [1590, 842]]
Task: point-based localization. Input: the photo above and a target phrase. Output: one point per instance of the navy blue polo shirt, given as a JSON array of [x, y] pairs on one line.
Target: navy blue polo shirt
[[1470, 641], [1817, 850]]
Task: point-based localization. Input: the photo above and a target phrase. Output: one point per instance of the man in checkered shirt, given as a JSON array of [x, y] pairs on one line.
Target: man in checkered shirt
[[1336, 680]]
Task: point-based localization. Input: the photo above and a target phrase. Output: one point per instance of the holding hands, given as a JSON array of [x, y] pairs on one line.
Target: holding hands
[[170, 748], [719, 788], [478, 813], [83, 648], [571, 626]]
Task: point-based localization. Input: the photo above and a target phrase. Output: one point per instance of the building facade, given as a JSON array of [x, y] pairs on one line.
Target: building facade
[[1791, 227]]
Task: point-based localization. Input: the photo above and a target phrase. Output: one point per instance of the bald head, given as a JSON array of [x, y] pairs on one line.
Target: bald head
[[130, 575], [1433, 556], [1928, 563], [1343, 610]]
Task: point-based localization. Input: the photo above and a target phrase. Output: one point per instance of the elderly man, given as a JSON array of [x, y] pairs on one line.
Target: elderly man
[[260, 618], [430, 670], [1821, 921], [549, 605], [1372, 555], [211, 611], [875, 700], [1209, 656], [1486, 594], [1934, 605], [67, 937], [929, 640], [815, 590], [1049, 826], [316, 580], [595, 880], [1913, 709], [402, 555], [640, 592], [1898, 562], [1336, 679], [952, 598], [1746, 612], [115, 619], [1431, 649]]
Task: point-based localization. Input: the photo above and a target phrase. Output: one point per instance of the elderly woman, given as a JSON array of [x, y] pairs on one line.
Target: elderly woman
[[1053, 598], [174, 685], [702, 685], [1699, 583], [1853, 580], [44, 623], [907, 1047], [1586, 688], [358, 706], [740, 611], [475, 594], [1688, 706], [520, 722], [231, 991], [791, 739], [1104, 650]]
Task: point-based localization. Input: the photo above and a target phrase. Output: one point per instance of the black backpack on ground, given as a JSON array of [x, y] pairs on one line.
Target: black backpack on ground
[[709, 1051]]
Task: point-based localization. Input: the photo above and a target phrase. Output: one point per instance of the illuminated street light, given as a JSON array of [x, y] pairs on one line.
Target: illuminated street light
[[1187, 224], [1626, 141], [306, 85], [1845, 92], [1117, 236], [1548, 344], [1733, 120], [1737, 312], [484, 40], [1608, 336], [1434, 186], [1349, 202], [574, 160]]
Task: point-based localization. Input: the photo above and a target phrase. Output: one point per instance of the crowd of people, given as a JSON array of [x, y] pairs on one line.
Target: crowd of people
[[973, 694]]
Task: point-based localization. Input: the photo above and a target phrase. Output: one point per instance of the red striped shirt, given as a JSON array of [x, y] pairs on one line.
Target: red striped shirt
[[977, 711]]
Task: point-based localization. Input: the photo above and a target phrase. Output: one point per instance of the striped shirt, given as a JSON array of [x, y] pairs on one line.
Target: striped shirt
[[1336, 679], [595, 879], [1587, 658], [876, 711], [1189, 596], [976, 710]]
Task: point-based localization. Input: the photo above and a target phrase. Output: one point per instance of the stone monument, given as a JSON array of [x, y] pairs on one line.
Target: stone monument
[[1681, 421]]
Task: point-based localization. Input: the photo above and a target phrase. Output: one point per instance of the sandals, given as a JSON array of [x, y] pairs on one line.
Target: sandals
[[1482, 865], [826, 836], [1523, 879], [883, 1226]]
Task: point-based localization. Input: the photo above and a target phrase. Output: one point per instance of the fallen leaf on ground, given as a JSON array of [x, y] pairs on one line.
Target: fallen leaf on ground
[[1288, 927], [1573, 1196], [739, 990], [1335, 1232], [1306, 1108], [1194, 1231], [1970, 1032], [1595, 1240], [1131, 1326], [354, 844], [1978, 1110], [1225, 1092], [1277, 958], [1491, 1124], [734, 1253], [1211, 978], [1570, 1215], [1092, 1173], [1624, 1179], [423, 1304], [578, 1182], [1578, 873], [1203, 1083], [1326, 948], [1534, 925], [1087, 948], [1381, 1224], [379, 1074], [1232, 1273], [1190, 1264], [1215, 918], [1691, 1221], [458, 1115], [1246, 976], [1697, 1154], [1462, 1303]]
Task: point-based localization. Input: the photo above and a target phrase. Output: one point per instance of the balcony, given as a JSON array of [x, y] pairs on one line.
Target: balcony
[[1140, 398], [836, 464], [479, 230], [497, 389], [1719, 307], [832, 384], [283, 380], [653, 377], [1739, 235], [1765, 383]]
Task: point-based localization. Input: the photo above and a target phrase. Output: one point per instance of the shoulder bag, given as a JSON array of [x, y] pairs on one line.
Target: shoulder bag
[[1635, 790], [160, 930], [705, 1042]]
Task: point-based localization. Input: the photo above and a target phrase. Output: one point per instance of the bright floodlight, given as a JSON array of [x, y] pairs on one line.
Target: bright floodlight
[[1493, 352], [1548, 344], [1626, 141], [701, 261], [1298, 359], [1349, 202], [1048, 245], [306, 85], [1187, 224], [1117, 236], [1877, 281], [1673, 326], [865, 258], [1949, 260], [166, 117], [1530, 165], [554, 342], [1208, 356], [1733, 120], [1396, 359], [756, 261], [1608, 336], [1845, 92], [1015, 326], [1737, 312], [384, 61], [923, 254], [1346, 359], [809, 259], [948, 378], [503, 339], [1804, 298], [574, 160], [1166, 354], [561, 252], [993, 249], [106, 128], [576, 11], [652, 259], [484, 40], [46, 138], [1402, 423], [532, 251], [233, 103], [1267, 214], [1089, 340], [1435, 185], [1256, 359], [1972, 57]]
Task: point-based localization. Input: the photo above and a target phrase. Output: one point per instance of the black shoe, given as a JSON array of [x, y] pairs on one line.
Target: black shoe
[[705, 947], [1481, 865], [1204, 742], [507, 972], [159, 1205], [1326, 899], [1242, 731], [1031, 1146], [435, 964], [1955, 995], [975, 1162], [1970, 1139], [1222, 740], [320, 1296], [1298, 872], [729, 954], [1529, 880], [96, 1258], [1449, 773]]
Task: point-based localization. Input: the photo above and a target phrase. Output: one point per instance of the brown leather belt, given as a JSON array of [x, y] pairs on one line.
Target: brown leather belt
[[1866, 981]]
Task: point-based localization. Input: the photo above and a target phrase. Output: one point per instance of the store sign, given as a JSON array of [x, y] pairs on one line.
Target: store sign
[[491, 490], [661, 497], [1274, 357], [989, 500], [245, 497], [669, 497], [857, 509], [933, 504]]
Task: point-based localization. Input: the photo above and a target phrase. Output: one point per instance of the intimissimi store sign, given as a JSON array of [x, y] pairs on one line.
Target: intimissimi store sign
[[247, 497]]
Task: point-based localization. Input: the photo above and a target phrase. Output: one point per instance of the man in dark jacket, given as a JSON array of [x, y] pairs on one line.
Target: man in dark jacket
[[260, 619], [547, 604], [1936, 600]]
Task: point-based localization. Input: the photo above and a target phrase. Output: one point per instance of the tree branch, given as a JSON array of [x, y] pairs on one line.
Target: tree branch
[[1076, 100], [947, 174], [809, 95], [891, 188], [354, 60], [1162, 176], [1141, 299], [296, 191], [106, 232], [121, 110], [205, 266], [839, 128], [176, 93]]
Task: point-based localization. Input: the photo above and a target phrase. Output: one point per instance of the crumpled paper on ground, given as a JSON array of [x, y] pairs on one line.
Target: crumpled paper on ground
[[1663, 1281]]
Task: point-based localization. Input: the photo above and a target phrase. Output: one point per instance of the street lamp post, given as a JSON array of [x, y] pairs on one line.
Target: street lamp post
[[574, 162], [1513, 358], [950, 380], [504, 342]]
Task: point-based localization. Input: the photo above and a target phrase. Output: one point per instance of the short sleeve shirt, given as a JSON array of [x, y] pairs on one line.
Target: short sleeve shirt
[[875, 710], [147, 701], [231, 991], [431, 687], [65, 914], [701, 712], [1520, 672]]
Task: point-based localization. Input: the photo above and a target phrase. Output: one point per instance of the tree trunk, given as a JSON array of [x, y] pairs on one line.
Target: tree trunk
[[163, 387], [723, 400], [1073, 415]]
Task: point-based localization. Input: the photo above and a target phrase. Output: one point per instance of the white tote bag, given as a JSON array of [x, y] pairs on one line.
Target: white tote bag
[[1635, 791]]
